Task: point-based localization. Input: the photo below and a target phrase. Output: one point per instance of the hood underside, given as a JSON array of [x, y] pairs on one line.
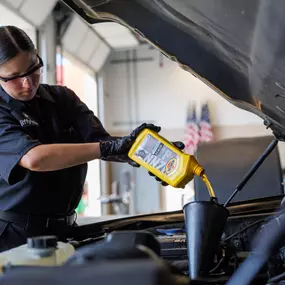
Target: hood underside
[[236, 47]]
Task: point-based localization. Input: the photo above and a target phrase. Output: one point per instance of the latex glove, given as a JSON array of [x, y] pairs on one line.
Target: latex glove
[[117, 150], [179, 145]]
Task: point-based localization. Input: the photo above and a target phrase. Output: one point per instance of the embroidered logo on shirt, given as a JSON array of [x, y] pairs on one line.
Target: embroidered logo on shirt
[[28, 121]]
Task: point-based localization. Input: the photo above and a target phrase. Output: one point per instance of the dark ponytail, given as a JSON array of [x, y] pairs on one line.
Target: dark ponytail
[[13, 41]]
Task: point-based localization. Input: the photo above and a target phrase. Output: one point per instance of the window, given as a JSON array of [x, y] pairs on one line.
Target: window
[[75, 76]]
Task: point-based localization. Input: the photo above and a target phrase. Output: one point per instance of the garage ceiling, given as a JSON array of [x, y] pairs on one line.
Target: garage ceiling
[[7, 17], [34, 11], [93, 44], [81, 41], [117, 36], [89, 44]]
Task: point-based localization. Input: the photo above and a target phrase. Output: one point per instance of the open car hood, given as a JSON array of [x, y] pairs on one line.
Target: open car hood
[[236, 47]]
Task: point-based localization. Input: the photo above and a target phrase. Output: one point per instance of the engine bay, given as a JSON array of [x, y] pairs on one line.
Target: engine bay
[[168, 244], [157, 245]]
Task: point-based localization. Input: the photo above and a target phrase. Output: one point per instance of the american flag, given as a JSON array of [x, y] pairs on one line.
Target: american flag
[[192, 136], [206, 132]]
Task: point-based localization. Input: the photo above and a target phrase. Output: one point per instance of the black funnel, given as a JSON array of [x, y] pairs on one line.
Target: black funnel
[[204, 222]]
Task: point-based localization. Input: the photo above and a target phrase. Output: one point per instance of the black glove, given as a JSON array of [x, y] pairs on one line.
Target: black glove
[[117, 150], [179, 145]]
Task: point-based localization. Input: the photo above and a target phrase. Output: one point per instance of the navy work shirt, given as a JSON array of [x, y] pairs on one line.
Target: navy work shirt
[[55, 115]]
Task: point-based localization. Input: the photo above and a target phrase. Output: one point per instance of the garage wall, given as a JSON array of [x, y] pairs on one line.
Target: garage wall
[[154, 89], [162, 93], [157, 90]]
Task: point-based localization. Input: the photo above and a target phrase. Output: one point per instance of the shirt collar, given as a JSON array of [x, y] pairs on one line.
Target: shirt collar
[[44, 94], [19, 105], [10, 101]]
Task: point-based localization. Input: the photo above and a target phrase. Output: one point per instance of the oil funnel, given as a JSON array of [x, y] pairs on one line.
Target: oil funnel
[[204, 222]]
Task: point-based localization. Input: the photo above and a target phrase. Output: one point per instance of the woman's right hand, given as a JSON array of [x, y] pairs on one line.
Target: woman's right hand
[[118, 149]]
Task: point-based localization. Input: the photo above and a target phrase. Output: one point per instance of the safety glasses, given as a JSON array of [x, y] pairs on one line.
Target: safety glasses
[[33, 73]]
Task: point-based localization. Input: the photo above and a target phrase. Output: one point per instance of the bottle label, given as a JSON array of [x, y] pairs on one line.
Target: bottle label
[[159, 156]]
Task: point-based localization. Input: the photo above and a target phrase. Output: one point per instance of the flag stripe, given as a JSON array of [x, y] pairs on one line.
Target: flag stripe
[[206, 132], [191, 136]]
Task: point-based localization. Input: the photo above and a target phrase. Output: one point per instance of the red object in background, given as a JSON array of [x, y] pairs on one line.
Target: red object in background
[[192, 135], [59, 75]]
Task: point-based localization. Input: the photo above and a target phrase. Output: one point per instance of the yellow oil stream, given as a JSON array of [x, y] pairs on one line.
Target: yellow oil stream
[[209, 186]]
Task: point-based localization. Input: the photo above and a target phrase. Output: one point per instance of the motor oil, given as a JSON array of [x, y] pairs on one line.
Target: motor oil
[[39, 251], [166, 161]]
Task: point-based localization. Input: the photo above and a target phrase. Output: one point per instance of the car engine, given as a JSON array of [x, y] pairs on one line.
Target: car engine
[[153, 250], [167, 243]]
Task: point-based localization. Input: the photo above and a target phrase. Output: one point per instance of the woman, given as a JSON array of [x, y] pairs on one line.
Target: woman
[[47, 136]]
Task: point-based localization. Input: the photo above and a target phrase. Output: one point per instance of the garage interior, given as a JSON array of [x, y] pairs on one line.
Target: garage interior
[[126, 81]]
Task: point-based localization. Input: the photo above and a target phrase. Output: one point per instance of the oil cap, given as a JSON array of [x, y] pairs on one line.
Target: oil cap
[[42, 242]]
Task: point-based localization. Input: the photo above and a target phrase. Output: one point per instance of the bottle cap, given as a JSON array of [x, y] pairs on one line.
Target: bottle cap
[[195, 167], [198, 170], [42, 242]]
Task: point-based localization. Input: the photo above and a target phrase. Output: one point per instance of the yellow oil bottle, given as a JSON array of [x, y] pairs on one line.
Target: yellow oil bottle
[[166, 161]]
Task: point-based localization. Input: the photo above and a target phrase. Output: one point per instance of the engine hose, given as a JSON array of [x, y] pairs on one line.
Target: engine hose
[[267, 241]]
